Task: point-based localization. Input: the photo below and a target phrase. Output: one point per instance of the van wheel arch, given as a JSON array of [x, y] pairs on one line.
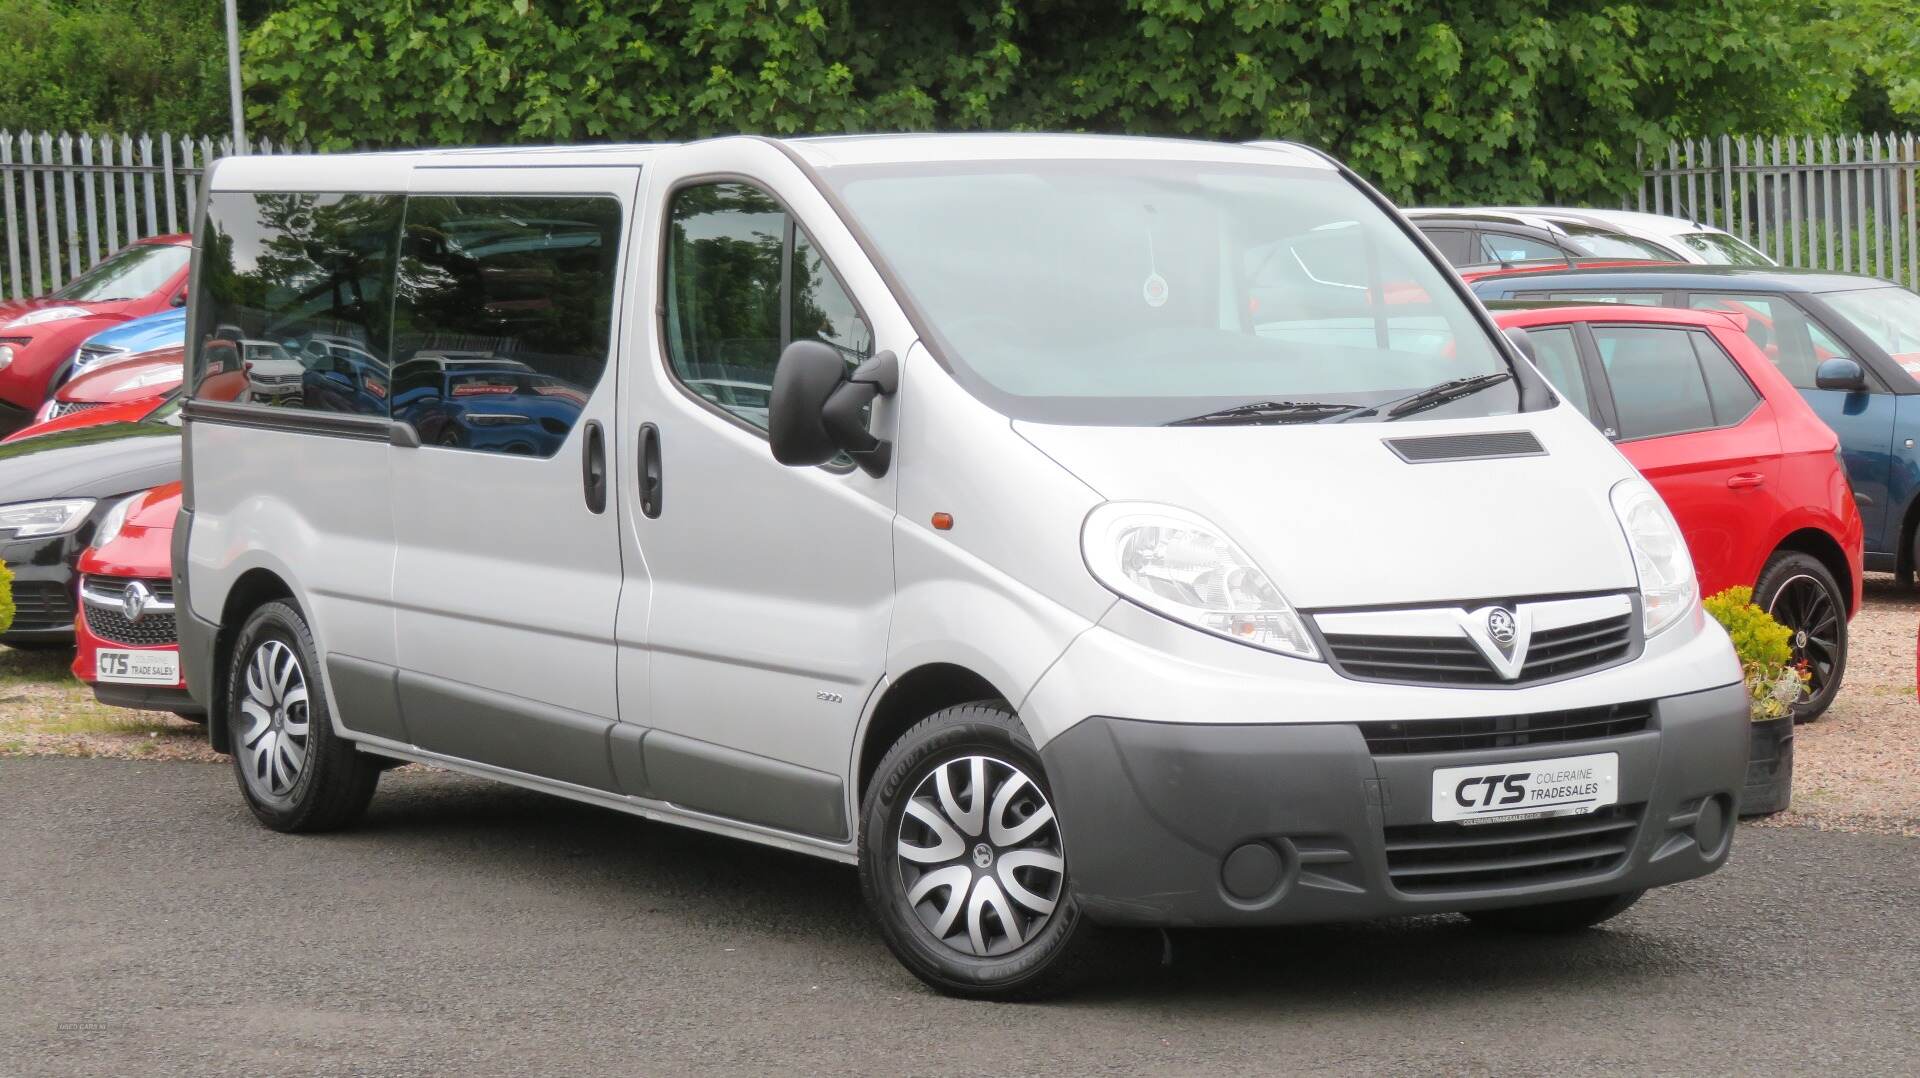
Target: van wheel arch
[[254, 589], [918, 693]]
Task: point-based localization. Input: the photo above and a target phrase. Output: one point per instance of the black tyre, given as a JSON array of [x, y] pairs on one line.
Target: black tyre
[[295, 774], [1571, 916], [1802, 595], [961, 859]]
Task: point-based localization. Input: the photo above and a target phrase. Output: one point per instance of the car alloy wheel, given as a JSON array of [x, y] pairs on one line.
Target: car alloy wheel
[[979, 856], [273, 741], [1803, 605]]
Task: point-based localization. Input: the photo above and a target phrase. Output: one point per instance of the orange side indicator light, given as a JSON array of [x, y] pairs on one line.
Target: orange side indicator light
[[943, 522]]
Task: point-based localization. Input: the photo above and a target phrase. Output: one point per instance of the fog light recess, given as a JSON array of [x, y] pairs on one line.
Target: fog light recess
[[1710, 830], [1252, 871]]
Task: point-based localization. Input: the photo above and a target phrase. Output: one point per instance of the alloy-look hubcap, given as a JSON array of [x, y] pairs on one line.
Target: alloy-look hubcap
[[979, 856], [273, 740]]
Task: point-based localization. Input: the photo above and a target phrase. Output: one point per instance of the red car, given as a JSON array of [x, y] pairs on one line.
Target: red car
[[143, 376], [125, 642], [1750, 472], [38, 335], [129, 412]]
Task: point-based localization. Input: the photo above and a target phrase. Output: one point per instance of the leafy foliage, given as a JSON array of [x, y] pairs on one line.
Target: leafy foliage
[[112, 65], [1475, 100], [6, 597], [1774, 683]]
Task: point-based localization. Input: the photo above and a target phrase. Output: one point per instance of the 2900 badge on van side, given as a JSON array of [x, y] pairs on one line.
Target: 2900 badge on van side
[[1186, 546]]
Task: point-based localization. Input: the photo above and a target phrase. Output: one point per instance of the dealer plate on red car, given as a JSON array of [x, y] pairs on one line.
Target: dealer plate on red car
[[1527, 789], [137, 667]]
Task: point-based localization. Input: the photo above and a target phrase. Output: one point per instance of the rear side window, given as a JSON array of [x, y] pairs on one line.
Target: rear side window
[[285, 281], [1733, 397], [742, 281], [1456, 245], [1637, 299], [503, 317], [1658, 386], [1559, 359], [1793, 342]]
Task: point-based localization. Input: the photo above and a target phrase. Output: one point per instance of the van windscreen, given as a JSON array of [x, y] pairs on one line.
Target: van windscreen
[[1142, 292]]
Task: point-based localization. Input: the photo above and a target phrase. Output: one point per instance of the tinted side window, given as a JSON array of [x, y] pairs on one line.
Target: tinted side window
[[285, 279], [1559, 359], [1657, 385], [504, 317], [1732, 395], [1456, 245], [1783, 332], [741, 283]]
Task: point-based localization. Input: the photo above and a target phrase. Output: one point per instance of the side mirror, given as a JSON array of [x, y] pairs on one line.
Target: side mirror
[[816, 409], [1840, 373]]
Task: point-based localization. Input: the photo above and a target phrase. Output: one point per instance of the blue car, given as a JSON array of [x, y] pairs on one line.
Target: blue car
[[476, 400], [166, 329], [1849, 344]]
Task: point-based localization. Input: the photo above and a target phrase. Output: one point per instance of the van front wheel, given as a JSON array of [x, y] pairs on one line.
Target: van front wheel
[[295, 774], [961, 858]]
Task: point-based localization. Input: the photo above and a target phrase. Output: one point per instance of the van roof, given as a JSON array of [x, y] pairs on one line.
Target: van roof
[[387, 169]]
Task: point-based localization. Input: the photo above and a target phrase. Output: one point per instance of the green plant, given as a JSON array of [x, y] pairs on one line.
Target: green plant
[[112, 65], [6, 597], [1764, 646], [1455, 100]]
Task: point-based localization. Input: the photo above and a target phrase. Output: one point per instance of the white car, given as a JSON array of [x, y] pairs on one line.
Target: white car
[[1136, 532], [1504, 235]]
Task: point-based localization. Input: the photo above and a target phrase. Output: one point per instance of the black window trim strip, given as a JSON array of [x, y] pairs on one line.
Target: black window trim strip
[[361, 428]]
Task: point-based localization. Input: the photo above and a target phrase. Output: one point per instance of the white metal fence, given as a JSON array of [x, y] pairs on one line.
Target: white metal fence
[[1840, 202], [70, 200]]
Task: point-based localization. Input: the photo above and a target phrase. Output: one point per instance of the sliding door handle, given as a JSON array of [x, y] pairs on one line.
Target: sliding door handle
[[651, 481], [593, 468]]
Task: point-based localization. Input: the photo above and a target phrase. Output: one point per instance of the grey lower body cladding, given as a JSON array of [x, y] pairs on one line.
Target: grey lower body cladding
[[1178, 824]]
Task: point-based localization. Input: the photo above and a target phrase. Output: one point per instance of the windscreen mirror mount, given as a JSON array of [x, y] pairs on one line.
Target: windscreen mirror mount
[[1840, 373], [818, 409]]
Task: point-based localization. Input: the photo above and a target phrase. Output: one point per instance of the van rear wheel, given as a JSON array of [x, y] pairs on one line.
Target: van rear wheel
[[295, 774], [961, 858]]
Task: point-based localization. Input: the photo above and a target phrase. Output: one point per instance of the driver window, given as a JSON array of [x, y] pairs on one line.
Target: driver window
[[742, 281]]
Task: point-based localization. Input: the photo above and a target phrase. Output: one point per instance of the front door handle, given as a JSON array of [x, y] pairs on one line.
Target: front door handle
[[650, 478], [593, 468], [1745, 480]]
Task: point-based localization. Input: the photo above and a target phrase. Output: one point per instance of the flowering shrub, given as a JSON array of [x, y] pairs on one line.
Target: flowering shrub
[[1774, 681], [6, 597]]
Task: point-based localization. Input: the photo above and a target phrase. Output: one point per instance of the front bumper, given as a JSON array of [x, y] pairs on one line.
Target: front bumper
[[1184, 824], [43, 593]]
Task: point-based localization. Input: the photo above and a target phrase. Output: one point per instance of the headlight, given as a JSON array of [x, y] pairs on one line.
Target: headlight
[[115, 519], [46, 314], [6, 356], [1667, 586], [1179, 566], [27, 520]]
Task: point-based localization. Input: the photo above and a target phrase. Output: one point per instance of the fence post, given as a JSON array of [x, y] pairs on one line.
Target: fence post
[[13, 235], [126, 188], [1726, 183], [167, 188], [87, 197]]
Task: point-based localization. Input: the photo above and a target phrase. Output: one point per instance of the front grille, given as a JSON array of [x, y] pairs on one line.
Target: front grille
[[1453, 660], [42, 604], [1432, 858], [95, 355], [61, 408], [1505, 731], [108, 622]]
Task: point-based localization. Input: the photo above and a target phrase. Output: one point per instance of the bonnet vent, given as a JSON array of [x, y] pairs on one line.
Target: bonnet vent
[[1504, 443]]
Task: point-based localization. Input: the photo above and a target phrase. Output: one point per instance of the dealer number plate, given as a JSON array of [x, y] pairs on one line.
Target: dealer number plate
[[1526, 790], [138, 667]]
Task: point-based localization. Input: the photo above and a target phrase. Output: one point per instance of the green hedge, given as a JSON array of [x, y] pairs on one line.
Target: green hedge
[[113, 65], [1470, 100], [6, 597]]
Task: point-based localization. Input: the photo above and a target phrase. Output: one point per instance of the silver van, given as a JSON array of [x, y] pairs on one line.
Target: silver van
[[1068, 531]]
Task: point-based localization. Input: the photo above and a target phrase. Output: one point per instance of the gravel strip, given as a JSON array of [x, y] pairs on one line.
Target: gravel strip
[[1856, 769]]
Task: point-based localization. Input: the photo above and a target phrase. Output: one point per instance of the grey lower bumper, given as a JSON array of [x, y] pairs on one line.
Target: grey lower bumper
[[1177, 824]]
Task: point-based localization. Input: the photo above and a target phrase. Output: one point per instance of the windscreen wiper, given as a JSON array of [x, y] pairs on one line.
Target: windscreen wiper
[[1436, 395], [1267, 412]]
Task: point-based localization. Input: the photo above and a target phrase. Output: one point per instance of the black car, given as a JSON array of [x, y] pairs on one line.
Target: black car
[[54, 490], [1800, 319]]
